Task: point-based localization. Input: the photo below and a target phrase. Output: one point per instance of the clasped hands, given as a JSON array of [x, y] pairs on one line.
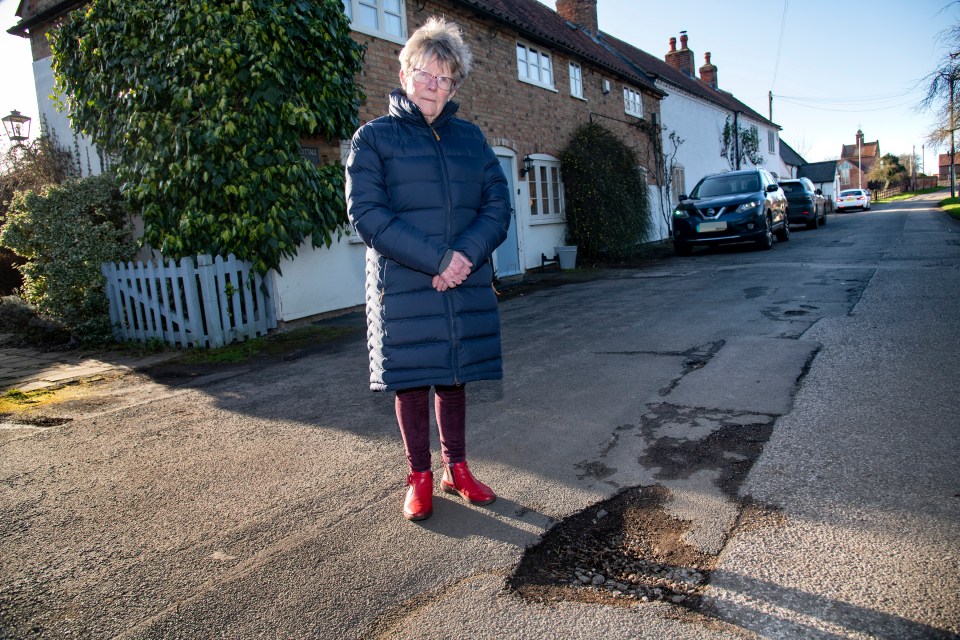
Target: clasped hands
[[456, 272]]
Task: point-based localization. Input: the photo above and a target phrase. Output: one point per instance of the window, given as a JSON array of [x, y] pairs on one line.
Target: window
[[678, 184], [546, 189], [845, 174], [632, 103], [576, 81], [771, 142], [534, 66], [383, 18]]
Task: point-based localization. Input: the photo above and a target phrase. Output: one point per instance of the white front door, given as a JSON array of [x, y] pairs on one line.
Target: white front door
[[507, 256]]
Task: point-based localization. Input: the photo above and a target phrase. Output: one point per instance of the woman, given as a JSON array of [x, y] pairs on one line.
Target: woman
[[426, 194]]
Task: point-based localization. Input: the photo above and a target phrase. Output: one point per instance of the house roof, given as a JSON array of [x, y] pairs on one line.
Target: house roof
[[661, 70], [867, 150], [819, 172], [789, 156], [537, 21], [35, 18]]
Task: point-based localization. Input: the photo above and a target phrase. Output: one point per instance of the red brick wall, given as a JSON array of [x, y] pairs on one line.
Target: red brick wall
[[523, 117]]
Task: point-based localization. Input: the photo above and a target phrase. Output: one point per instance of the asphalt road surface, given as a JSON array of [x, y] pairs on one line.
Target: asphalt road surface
[[263, 500]]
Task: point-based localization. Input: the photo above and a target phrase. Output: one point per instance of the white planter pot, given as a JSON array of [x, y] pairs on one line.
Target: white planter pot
[[567, 256]]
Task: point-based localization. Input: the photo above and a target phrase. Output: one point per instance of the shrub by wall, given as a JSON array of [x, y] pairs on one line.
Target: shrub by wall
[[65, 232], [606, 195]]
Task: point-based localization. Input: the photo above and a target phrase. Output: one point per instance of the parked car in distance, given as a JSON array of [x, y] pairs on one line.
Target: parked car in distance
[[805, 203], [853, 199], [734, 206]]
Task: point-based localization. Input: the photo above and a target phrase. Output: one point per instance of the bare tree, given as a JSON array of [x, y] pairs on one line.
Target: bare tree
[[942, 85]]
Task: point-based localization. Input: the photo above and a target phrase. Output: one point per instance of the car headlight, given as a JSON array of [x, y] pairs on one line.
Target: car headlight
[[748, 206], [680, 213]]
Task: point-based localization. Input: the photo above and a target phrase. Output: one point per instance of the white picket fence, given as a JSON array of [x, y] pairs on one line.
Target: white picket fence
[[208, 305]]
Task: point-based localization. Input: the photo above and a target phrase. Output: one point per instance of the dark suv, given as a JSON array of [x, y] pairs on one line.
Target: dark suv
[[735, 206], [805, 203]]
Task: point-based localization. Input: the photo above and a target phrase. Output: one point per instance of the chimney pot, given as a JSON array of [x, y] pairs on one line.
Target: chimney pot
[[683, 40], [673, 44]]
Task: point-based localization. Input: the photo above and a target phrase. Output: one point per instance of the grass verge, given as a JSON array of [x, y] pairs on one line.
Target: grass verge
[[951, 206]]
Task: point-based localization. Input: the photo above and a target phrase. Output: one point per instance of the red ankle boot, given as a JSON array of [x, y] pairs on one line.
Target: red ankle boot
[[418, 503], [458, 479]]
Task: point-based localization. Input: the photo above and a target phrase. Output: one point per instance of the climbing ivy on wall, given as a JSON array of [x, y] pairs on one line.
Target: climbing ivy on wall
[[202, 106]]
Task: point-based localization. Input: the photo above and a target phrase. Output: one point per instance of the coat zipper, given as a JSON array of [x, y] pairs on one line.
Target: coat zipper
[[447, 299]]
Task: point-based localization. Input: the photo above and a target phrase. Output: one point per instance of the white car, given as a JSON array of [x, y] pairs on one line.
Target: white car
[[853, 198]]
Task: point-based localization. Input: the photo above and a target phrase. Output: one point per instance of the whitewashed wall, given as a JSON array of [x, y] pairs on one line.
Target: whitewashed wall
[[58, 122], [321, 280], [700, 124]]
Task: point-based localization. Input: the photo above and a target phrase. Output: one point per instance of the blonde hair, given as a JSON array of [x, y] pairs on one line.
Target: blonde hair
[[442, 40]]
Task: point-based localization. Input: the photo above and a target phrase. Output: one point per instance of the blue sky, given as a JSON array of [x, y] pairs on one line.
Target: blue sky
[[839, 66], [842, 65]]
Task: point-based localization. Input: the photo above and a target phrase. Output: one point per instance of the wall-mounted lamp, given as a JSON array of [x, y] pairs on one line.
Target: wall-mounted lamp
[[527, 166], [17, 127]]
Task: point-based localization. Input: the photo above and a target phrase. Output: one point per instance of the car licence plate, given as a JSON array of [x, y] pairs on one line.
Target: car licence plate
[[711, 226]]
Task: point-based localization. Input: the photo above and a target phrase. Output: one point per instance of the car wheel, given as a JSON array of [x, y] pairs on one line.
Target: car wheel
[[765, 242], [682, 248], [783, 235], [813, 224]]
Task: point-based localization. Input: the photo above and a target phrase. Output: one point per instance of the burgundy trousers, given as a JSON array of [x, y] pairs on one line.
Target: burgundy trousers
[[413, 416]]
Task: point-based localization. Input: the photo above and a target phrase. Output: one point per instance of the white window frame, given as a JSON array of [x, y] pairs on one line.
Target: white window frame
[[632, 102], [547, 201], [576, 81], [678, 182], [352, 9], [771, 142], [535, 58]]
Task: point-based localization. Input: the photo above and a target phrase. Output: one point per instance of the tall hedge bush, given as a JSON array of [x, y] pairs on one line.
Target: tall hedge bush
[[607, 203], [202, 106], [65, 232]]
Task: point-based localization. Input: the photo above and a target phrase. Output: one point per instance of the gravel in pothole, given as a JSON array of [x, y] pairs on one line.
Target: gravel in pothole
[[622, 551]]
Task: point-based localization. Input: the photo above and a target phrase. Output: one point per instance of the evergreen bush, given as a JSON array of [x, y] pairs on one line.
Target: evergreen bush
[[607, 203], [65, 232]]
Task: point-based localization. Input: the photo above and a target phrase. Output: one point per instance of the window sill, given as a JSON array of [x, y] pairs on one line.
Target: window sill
[[576, 97], [378, 34], [537, 221], [548, 87], [634, 114]]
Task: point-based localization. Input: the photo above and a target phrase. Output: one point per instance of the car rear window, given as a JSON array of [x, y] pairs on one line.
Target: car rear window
[[791, 187], [855, 192]]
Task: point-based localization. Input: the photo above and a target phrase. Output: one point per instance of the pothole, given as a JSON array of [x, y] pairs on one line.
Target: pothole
[[621, 551], [629, 549]]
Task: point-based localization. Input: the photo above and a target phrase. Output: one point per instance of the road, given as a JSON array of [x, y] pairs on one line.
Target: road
[[797, 409]]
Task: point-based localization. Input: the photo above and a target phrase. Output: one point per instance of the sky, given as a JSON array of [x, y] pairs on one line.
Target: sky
[[833, 67]]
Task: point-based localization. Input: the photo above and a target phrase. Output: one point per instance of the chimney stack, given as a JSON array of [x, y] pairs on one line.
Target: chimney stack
[[681, 60], [708, 72], [580, 12]]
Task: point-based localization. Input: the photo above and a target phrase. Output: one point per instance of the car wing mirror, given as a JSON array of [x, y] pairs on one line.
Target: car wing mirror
[[772, 187], [683, 197]]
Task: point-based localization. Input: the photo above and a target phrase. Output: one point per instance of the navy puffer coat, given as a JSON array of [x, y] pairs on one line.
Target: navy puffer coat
[[414, 193]]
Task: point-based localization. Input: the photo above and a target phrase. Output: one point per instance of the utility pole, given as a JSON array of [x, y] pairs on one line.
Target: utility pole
[[953, 151], [770, 101]]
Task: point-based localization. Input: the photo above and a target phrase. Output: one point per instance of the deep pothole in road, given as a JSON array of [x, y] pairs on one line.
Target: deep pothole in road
[[629, 549]]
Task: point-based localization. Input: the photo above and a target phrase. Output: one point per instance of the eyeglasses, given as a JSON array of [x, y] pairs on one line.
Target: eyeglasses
[[443, 82]]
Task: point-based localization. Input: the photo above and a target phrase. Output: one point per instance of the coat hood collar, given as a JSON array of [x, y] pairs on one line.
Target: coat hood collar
[[402, 107]]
